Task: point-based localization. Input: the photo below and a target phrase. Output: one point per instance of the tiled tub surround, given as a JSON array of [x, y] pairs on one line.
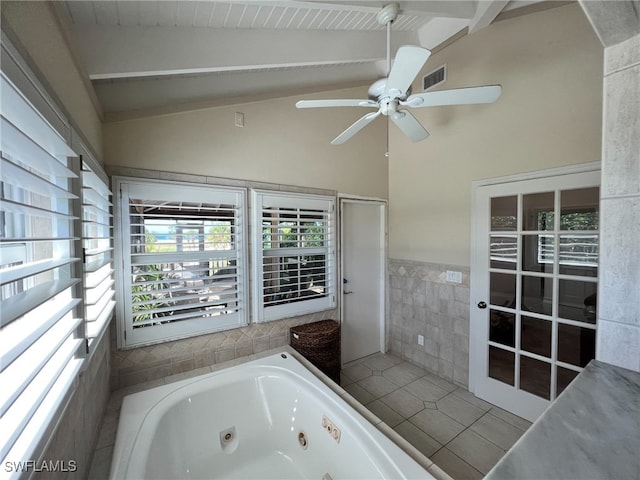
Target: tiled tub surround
[[77, 432], [154, 362], [174, 428], [463, 438], [423, 303], [104, 450], [592, 430]]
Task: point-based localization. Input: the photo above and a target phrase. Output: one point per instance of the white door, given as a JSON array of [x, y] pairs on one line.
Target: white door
[[533, 288], [362, 303]]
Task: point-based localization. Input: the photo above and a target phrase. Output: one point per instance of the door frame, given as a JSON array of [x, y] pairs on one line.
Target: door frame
[[384, 304], [477, 290]]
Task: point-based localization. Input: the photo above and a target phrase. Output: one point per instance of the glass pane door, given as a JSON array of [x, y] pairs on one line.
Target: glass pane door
[[538, 315]]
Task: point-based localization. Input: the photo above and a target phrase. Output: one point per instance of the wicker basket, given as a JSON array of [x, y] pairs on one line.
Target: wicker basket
[[319, 342]]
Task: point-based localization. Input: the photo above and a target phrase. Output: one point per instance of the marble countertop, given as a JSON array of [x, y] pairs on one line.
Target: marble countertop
[[591, 431]]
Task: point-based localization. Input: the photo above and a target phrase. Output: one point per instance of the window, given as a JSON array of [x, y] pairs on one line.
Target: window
[[183, 259], [97, 253], [294, 261], [42, 343]]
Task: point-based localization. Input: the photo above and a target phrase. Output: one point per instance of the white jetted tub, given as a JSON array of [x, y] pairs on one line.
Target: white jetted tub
[[265, 419]]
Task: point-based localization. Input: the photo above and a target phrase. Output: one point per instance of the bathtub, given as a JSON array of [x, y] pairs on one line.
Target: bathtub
[[265, 419]]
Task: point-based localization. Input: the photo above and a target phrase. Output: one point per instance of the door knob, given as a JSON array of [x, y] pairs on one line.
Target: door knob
[[482, 305], [347, 293]]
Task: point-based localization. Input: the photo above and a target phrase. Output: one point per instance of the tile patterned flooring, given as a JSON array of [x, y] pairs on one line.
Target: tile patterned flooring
[[463, 435]]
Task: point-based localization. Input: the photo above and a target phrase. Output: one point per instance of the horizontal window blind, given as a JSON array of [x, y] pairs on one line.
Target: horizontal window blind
[[183, 250], [99, 291], [41, 332], [295, 265]]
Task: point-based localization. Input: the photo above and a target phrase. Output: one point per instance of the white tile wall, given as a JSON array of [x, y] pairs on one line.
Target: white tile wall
[[618, 335], [620, 260], [619, 344]]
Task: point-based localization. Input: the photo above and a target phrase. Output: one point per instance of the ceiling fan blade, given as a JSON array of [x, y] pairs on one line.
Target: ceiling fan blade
[[408, 62], [457, 96], [409, 125], [336, 103], [355, 128]]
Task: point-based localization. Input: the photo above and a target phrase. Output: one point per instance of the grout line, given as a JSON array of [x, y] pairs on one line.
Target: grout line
[[487, 439], [507, 421], [460, 459]]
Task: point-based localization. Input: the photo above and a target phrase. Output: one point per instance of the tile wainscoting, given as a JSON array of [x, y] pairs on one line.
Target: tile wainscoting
[[74, 435], [144, 364], [422, 302]]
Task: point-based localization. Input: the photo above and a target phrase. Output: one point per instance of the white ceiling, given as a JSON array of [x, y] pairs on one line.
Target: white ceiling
[[142, 56]]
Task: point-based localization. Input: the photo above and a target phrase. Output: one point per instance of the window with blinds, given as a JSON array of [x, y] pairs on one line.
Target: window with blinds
[[41, 326], [97, 252], [294, 260], [183, 255]]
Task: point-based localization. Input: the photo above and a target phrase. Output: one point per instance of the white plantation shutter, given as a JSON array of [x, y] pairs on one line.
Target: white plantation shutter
[[294, 261], [41, 331], [183, 259], [99, 290]]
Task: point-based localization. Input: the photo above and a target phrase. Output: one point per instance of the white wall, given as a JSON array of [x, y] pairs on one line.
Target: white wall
[[279, 144], [550, 67]]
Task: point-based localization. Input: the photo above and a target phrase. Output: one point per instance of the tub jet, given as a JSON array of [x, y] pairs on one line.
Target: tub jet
[[302, 440], [229, 440]]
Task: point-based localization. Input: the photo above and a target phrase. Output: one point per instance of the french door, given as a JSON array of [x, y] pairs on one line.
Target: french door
[[534, 277]]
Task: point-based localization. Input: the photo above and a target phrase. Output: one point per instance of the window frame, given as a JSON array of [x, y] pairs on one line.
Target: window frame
[[326, 203], [99, 281], [130, 337]]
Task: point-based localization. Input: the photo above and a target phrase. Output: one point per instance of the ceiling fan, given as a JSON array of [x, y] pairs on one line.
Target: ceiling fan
[[389, 94]]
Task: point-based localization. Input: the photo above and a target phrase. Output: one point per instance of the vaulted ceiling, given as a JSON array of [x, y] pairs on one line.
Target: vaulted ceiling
[[145, 56]]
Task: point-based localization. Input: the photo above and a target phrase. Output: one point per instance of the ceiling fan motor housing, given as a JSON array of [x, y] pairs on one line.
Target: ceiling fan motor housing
[[388, 101], [388, 14], [377, 88]]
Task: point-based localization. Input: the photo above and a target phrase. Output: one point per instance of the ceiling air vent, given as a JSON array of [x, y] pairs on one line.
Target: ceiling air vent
[[434, 78]]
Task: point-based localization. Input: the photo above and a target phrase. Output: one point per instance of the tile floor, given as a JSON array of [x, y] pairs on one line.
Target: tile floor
[[463, 435], [460, 433]]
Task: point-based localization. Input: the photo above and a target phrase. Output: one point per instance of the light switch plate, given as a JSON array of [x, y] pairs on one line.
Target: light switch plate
[[239, 119]]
